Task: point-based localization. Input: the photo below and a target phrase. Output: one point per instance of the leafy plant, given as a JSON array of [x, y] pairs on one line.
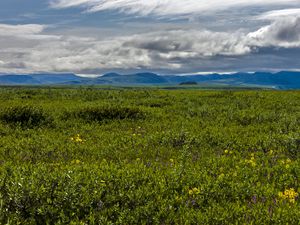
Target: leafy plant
[[25, 116]]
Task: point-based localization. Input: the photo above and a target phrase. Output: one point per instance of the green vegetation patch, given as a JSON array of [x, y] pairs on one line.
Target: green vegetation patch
[[149, 156], [25, 116], [102, 113]]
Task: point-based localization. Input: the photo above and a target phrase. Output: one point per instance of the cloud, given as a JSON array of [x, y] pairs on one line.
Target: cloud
[[20, 30], [166, 7], [276, 14], [281, 33], [167, 50]]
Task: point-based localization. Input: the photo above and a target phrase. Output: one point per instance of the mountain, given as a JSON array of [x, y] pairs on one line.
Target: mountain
[[280, 80], [139, 78], [38, 79], [17, 80], [56, 78]]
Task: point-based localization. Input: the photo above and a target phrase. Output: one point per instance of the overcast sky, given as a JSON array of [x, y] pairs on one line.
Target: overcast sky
[[163, 36]]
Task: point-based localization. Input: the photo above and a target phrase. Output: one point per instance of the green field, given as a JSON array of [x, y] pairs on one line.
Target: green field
[[149, 156]]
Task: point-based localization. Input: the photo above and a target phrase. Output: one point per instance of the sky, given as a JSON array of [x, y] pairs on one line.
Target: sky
[[93, 37]]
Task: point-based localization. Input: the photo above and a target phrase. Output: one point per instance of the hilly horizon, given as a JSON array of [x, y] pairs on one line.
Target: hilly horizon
[[279, 80]]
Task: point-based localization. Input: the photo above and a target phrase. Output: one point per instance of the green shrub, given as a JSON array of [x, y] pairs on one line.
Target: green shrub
[[106, 113], [25, 116]]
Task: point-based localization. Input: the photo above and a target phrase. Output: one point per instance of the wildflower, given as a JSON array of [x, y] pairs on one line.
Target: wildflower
[[226, 151], [289, 195], [77, 161], [194, 191], [286, 163], [171, 160], [77, 139]]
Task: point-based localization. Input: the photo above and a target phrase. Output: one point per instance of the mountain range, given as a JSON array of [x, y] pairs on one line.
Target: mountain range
[[280, 80]]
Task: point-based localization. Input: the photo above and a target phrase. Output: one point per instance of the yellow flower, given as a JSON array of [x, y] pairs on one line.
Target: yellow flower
[[226, 151], [77, 161], [288, 194], [77, 139], [194, 191]]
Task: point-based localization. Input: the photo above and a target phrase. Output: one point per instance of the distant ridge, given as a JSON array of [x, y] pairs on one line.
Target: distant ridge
[[280, 80]]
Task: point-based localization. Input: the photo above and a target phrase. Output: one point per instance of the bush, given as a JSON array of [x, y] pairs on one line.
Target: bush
[[25, 116], [103, 114]]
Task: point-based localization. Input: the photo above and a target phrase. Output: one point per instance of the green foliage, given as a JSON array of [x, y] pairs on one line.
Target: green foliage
[[99, 114], [25, 116], [149, 156]]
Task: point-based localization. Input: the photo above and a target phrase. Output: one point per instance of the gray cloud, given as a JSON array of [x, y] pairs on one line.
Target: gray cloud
[[172, 50], [281, 33]]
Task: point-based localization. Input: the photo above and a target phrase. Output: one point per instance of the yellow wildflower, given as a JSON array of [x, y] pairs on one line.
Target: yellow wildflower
[[77, 139], [76, 161], [194, 191], [289, 195]]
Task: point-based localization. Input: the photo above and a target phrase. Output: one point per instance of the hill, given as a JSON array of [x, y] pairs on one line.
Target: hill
[[280, 80]]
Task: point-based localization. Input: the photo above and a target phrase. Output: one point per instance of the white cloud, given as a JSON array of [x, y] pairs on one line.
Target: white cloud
[[156, 50], [20, 30], [167, 7], [276, 14]]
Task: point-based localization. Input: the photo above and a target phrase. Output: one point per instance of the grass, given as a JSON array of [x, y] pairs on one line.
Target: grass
[[149, 156]]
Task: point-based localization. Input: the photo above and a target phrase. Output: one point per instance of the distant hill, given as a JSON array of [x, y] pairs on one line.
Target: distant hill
[[280, 80], [38, 79], [139, 78]]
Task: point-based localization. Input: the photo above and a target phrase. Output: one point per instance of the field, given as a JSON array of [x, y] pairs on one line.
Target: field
[[149, 156]]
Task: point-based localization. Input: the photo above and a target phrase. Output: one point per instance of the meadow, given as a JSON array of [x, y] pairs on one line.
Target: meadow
[[149, 156]]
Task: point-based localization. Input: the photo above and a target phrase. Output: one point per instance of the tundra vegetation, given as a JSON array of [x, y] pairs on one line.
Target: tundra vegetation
[[149, 156]]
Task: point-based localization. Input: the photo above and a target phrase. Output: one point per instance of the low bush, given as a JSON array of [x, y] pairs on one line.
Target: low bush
[[99, 114], [25, 116]]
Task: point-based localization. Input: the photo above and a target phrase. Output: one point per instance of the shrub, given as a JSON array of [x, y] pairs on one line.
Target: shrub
[[106, 113], [25, 116]]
